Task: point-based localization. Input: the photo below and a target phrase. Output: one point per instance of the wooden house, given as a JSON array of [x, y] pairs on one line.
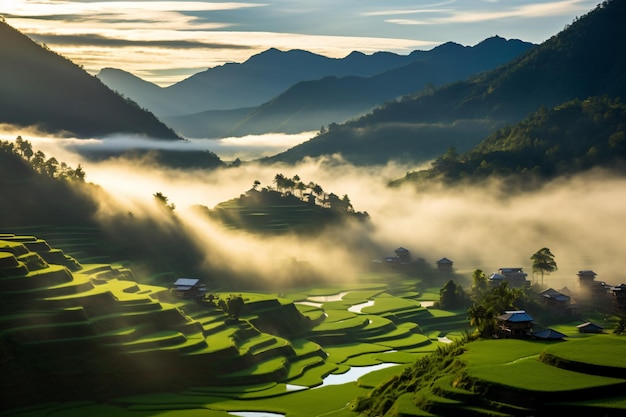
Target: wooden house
[[515, 323], [589, 327], [189, 289], [618, 294], [586, 277], [444, 265], [548, 334], [403, 255], [516, 277], [591, 290], [555, 300]]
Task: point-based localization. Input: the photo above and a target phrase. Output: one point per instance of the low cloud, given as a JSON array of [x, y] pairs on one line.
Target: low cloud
[[479, 227], [100, 40]]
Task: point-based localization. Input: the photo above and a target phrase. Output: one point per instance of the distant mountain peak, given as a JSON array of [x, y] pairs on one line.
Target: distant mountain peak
[[355, 54]]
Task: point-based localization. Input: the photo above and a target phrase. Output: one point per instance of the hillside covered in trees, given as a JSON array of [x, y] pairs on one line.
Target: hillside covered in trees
[[583, 60], [41, 89], [44, 194], [571, 138], [291, 206]]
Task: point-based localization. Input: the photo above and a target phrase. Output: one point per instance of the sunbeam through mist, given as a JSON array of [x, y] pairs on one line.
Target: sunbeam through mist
[[579, 218]]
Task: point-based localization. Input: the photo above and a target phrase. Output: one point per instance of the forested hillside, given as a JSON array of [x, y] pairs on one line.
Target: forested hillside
[[583, 60], [570, 138], [42, 89], [43, 194]]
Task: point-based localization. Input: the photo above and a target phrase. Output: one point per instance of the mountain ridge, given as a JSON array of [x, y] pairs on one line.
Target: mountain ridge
[[39, 88], [581, 61], [255, 81], [309, 104]]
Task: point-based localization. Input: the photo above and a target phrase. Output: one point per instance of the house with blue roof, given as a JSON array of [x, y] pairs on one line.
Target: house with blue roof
[[515, 323]]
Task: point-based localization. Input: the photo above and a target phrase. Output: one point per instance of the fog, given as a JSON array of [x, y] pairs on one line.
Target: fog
[[581, 219]]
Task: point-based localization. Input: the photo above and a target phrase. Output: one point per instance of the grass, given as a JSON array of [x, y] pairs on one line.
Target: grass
[[340, 353], [141, 318], [390, 304], [613, 351], [523, 374]]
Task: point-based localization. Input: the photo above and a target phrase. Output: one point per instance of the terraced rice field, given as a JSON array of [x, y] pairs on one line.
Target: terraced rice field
[[280, 346], [80, 323]]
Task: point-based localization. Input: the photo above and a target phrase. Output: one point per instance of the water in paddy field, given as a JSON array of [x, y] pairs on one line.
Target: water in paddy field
[[353, 374]]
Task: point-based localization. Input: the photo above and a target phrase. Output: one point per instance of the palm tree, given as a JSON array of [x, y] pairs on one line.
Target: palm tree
[[543, 261], [279, 180]]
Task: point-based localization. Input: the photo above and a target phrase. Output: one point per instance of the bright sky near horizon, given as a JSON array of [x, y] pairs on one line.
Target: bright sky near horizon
[[167, 41]]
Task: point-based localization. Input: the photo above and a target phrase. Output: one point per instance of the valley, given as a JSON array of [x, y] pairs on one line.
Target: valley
[[435, 233]]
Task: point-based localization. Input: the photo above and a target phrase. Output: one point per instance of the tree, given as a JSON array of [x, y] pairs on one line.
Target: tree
[[620, 328], [279, 180], [495, 301], [24, 147], [51, 166], [79, 173], [452, 296], [163, 200], [232, 306], [38, 161], [256, 184], [479, 285], [543, 261]]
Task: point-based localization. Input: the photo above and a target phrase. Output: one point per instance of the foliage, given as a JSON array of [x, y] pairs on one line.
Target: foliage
[[543, 261], [581, 61], [291, 206], [572, 137], [58, 96], [163, 201], [232, 306], [50, 167], [419, 375], [620, 329], [452, 296], [488, 304]]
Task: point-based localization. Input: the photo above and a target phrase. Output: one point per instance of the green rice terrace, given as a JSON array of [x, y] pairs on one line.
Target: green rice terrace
[[284, 209], [88, 339]]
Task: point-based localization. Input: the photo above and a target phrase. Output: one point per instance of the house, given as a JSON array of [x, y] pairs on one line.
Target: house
[[554, 299], [516, 277], [586, 277], [444, 265], [495, 279], [403, 255], [589, 327], [589, 288], [515, 323], [618, 294], [548, 334], [189, 289]]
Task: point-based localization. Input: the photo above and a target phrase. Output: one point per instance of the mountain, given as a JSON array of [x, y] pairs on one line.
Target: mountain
[[248, 84], [583, 60], [311, 104], [130, 85], [41, 88], [573, 137]]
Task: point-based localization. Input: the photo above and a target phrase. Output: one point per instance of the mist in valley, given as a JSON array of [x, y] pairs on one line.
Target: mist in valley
[[482, 226]]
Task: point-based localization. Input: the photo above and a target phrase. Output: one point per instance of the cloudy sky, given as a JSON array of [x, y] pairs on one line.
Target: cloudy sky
[[166, 41]]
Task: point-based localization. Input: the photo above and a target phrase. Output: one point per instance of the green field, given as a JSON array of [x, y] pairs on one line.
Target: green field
[[152, 353]]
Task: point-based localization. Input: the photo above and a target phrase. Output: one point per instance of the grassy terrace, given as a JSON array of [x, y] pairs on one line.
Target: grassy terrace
[[103, 302], [276, 356]]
